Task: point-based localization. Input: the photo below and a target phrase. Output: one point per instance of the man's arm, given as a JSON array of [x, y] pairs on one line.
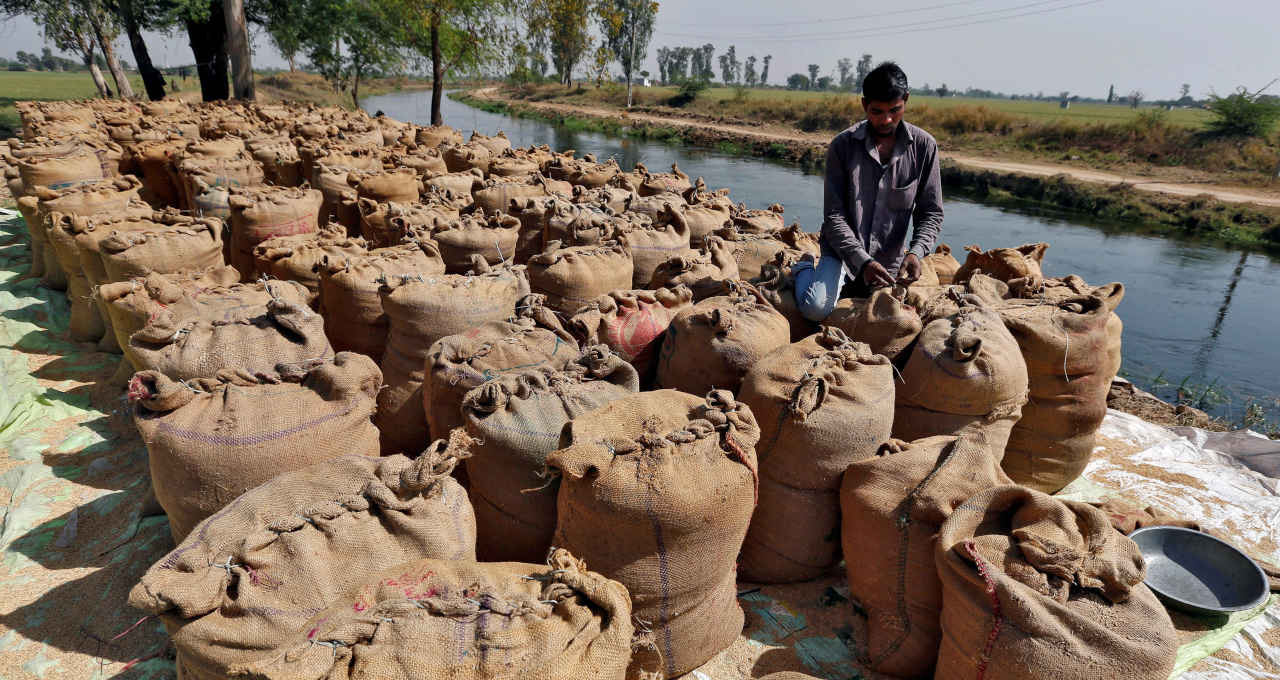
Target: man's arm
[[836, 230], [928, 212]]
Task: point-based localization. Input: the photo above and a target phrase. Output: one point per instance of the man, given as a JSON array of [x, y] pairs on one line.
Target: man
[[881, 173]]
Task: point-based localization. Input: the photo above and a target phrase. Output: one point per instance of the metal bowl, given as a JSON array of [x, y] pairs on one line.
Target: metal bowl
[[1198, 573]]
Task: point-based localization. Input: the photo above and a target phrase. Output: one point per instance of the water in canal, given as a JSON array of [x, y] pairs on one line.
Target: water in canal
[[1195, 314]]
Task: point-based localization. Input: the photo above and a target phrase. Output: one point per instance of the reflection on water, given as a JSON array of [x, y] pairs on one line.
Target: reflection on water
[[1194, 314]]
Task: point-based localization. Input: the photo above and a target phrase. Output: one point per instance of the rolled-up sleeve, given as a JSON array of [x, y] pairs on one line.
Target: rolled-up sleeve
[[927, 216], [836, 230]]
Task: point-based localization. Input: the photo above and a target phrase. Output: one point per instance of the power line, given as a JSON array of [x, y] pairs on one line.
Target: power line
[[771, 24], [882, 31]]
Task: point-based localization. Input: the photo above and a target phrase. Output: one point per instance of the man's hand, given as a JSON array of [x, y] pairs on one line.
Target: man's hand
[[876, 275], [910, 269]]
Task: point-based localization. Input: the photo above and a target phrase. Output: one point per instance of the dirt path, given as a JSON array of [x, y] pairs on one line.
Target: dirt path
[[780, 133]]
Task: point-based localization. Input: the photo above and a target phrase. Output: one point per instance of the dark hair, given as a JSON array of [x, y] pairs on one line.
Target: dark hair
[[885, 83]]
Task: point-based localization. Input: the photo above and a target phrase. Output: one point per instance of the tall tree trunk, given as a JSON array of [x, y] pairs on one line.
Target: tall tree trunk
[[238, 48], [98, 80], [123, 87], [152, 78], [631, 63], [437, 73], [355, 86], [293, 68], [207, 43]]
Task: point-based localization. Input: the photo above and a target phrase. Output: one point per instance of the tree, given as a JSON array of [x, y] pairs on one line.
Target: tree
[[764, 73], [750, 74], [1184, 91], [707, 71], [730, 67], [797, 81], [67, 27], [238, 48], [626, 27], [813, 74], [133, 15], [943, 90], [664, 58], [824, 83], [679, 64], [450, 34], [1135, 98], [105, 29], [1244, 114], [725, 72], [1111, 94], [346, 40], [563, 25], [863, 68], [285, 33], [601, 63], [845, 67]]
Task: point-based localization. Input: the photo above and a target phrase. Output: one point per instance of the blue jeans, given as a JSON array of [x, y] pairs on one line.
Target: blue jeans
[[818, 288]]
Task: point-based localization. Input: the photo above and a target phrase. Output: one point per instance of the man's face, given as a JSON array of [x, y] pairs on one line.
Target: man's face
[[883, 117]]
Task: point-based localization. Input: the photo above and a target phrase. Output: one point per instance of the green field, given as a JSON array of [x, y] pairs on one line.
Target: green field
[[16, 86]]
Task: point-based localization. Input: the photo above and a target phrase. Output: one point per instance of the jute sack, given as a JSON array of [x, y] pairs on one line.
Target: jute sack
[[713, 344], [943, 263], [131, 304], [207, 183], [330, 178], [248, 578], [459, 363], [582, 224], [435, 619], [28, 207], [632, 323], [1035, 587], [655, 207], [615, 198], [388, 224], [80, 237], [752, 251], [212, 439], [822, 403], [154, 158], [280, 163], [496, 144], [513, 164], [657, 490], [705, 273], [515, 421], [702, 220], [652, 244], [272, 325], [462, 183], [495, 195], [398, 186], [435, 135], [888, 320], [1058, 289], [425, 162], [492, 238], [1005, 264], [262, 213], [421, 310], [1071, 360], [765, 221], [585, 172], [655, 183], [349, 299], [298, 257], [165, 242], [778, 285], [891, 507], [467, 157], [573, 277], [964, 372], [70, 166]]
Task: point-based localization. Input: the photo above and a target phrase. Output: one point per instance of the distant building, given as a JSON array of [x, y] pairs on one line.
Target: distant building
[[638, 81]]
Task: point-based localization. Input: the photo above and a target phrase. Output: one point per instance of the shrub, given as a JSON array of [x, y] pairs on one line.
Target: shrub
[[1243, 114], [689, 91]]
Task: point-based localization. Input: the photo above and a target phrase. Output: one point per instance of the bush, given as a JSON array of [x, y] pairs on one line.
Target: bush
[[689, 91], [1243, 114]]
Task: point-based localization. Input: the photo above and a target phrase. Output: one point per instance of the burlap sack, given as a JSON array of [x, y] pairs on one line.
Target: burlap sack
[[713, 344], [129, 305], [272, 325], [386, 186], [582, 224], [656, 491], [585, 172], [1071, 360], [964, 372], [211, 440], [70, 167], [207, 183], [298, 257], [655, 183], [330, 178], [778, 285], [892, 506], [467, 157], [573, 277], [493, 238], [944, 265], [262, 213], [425, 162], [496, 144], [702, 220], [463, 183], [28, 207], [164, 243], [349, 299], [765, 221], [1059, 289], [822, 403], [280, 163], [652, 244], [704, 273], [632, 323], [615, 198], [513, 164], [888, 320], [420, 311], [78, 241], [154, 158], [388, 224], [516, 420], [656, 207], [435, 135], [85, 323], [1034, 587], [1005, 264], [247, 579], [438, 619], [495, 195], [459, 363]]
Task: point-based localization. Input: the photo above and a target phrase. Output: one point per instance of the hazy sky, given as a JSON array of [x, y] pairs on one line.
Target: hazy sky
[[1004, 45]]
